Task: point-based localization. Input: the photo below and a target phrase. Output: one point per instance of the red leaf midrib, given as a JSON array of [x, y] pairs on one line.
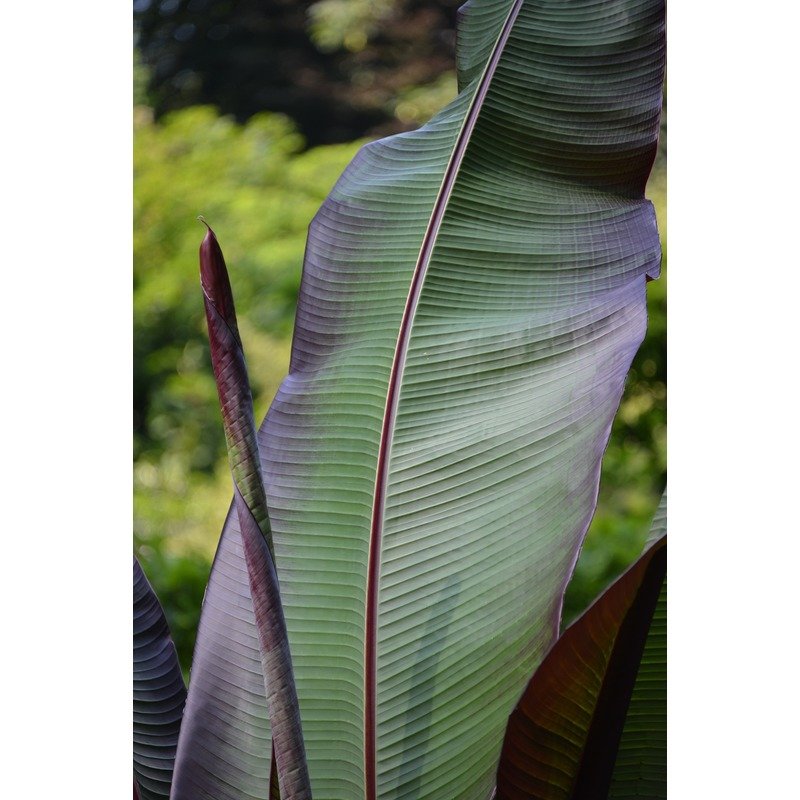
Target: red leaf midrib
[[392, 397]]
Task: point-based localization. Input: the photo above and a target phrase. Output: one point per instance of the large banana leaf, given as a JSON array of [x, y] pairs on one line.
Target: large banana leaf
[[472, 296], [592, 721]]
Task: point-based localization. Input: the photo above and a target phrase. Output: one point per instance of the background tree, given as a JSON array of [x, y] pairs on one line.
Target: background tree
[[340, 69]]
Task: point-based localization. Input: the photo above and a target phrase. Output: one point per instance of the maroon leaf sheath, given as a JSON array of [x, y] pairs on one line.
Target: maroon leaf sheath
[[562, 738], [230, 371]]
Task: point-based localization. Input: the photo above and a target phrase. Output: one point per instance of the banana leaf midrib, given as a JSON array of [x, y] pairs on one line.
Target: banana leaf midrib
[[393, 396]]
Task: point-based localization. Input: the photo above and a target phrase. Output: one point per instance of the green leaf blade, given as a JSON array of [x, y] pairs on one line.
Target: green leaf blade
[[442, 539]]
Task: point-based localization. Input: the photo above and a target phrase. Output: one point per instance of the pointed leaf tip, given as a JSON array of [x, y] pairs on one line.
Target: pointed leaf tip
[[214, 276], [227, 358]]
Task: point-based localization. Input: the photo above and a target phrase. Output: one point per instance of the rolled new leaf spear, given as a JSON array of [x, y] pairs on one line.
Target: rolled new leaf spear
[[230, 371]]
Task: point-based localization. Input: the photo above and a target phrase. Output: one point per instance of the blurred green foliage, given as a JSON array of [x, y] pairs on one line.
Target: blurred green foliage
[[346, 24], [259, 189]]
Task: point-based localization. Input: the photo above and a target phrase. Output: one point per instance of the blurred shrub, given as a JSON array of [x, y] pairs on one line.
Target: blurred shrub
[[259, 190], [346, 24], [417, 104]]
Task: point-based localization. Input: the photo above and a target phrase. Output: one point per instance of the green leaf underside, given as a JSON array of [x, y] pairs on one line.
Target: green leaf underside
[[530, 311], [591, 723]]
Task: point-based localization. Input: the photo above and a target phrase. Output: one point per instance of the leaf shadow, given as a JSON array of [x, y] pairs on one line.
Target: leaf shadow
[[417, 730]]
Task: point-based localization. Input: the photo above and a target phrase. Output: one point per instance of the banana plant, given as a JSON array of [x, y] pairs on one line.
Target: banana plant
[[473, 293]]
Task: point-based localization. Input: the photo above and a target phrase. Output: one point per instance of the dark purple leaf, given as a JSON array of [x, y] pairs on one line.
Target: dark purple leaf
[[158, 693], [563, 737]]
